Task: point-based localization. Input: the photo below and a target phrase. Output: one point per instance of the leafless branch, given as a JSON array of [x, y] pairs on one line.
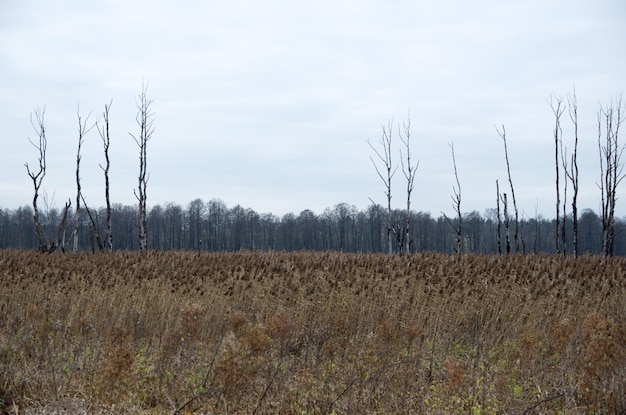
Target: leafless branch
[[456, 199], [385, 159]]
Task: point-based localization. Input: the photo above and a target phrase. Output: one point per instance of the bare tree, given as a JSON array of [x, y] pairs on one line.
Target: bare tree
[[37, 177], [516, 234], [572, 174], [45, 244], [385, 158], [409, 171], [83, 129], [456, 199], [611, 169], [557, 110], [145, 121], [106, 141]]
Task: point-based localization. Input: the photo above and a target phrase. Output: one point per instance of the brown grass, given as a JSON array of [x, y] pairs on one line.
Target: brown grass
[[311, 333]]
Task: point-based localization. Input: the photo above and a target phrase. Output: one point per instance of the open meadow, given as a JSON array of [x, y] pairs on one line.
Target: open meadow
[[311, 333]]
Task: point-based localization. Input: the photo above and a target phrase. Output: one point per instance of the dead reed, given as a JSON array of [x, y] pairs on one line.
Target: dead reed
[[271, 332]]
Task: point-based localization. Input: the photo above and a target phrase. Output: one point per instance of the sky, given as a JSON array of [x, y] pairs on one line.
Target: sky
[[270, 105]]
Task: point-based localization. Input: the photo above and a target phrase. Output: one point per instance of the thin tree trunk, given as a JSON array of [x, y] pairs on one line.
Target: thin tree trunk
[[146, 126], [409, 173], [516, 234], [458, 229], [82, 131], [557, 111], [499, 227], [611, 171], [573, 174], [507, 224], [37, 178], [390, 169], [106, 141]]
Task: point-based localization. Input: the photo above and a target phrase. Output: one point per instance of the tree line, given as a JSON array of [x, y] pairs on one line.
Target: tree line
[[213, 226]]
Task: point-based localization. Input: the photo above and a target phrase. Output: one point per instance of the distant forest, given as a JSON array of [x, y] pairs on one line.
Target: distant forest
[[213, 226]]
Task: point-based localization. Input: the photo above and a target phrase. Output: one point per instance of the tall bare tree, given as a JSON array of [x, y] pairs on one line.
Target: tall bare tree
[[611, 169], [516, 234], [145, 121], [45, 244], [37, 177], [557, 109], [83, 129], [409, 171], [384, 156], [572, 173], [456, 199], [106, 142]]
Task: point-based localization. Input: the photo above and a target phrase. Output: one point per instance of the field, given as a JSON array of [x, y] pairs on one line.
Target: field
[[311, 333]]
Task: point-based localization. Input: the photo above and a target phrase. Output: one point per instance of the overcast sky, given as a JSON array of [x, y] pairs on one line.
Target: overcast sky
[[270, 104]]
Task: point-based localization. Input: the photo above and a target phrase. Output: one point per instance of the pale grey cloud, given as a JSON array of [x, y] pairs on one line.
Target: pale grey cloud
[[270, 104]]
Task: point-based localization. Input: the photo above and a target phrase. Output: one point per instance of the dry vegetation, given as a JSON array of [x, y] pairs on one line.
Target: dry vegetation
[[311, 333]]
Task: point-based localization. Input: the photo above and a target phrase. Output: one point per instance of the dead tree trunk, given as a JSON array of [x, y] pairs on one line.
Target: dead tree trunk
[[507, 224], [611, 170], [456, 199], [564, 219], [106, 141], [37, 177], [516, 234], [499, 227], [409, 171], [390, 170], [557, 110], [61, 230], [95, 229], [82, 131], [573, 172], [45, 244], [145, 121]]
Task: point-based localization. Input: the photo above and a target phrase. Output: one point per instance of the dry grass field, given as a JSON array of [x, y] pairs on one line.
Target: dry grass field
[[311, 333]]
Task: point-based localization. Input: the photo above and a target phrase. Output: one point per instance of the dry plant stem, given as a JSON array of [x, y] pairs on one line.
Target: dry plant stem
[[542, 402], [205, 382]]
